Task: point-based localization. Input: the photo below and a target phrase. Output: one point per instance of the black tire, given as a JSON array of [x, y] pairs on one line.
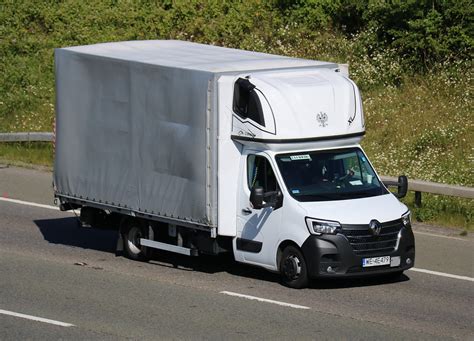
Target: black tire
[[293, 270], [132, 231]]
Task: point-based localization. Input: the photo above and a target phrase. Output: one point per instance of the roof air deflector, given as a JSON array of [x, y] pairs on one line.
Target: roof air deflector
[[246, 102]]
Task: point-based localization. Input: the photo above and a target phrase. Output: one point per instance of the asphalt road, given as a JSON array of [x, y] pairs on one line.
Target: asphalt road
[[52, 269]]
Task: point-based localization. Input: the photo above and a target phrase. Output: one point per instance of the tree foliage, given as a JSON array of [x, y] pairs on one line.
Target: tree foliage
[[422, 32]]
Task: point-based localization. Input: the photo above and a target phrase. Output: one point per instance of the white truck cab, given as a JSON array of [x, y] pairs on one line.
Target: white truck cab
[[329, 204], [226, 150], [305, 181]]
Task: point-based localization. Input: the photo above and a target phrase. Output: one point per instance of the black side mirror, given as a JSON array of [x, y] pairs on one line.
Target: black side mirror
[[256, 197], [273, 199], [402, 186]]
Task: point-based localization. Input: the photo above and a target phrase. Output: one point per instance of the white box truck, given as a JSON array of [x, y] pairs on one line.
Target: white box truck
[[196, 149]]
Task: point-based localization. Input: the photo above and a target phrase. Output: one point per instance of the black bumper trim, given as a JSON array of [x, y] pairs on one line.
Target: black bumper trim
[[335, 251]]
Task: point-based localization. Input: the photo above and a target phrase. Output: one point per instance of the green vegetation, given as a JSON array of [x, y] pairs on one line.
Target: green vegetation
[[24, 153], [412, 60], [443, 210]]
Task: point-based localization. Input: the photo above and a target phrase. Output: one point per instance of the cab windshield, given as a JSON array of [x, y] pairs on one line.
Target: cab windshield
[[329, 175]]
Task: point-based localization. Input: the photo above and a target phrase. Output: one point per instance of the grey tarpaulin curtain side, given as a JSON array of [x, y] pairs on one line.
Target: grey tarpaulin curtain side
[[132, 134]]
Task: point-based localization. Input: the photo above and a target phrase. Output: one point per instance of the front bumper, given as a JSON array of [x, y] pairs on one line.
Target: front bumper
[[335, 251]]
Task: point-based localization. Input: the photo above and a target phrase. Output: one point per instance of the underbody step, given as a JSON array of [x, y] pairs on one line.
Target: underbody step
[[168, 247]]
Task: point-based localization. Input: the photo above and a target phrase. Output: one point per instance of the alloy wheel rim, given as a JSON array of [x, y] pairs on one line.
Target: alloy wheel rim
[[292, 267]]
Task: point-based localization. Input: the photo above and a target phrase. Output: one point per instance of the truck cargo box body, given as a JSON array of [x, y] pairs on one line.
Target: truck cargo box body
[[133, 135], [141, 126]]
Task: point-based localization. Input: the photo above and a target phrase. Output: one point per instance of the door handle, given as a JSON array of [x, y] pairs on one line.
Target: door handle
[[246, 211]]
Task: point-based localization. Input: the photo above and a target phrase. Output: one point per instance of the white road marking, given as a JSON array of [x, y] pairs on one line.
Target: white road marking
[[443, 274], [34, 204], [230, 293], [35, 318], [441, 236], [28, 203]]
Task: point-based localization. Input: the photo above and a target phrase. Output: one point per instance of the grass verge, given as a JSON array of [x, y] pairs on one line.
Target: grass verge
[[27, 153], [442, 210]]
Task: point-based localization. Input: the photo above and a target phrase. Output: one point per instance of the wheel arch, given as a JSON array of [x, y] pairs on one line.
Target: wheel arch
[[127, 220], [282, 247]]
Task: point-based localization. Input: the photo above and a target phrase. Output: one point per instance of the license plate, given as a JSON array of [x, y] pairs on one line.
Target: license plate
[[375, 261]]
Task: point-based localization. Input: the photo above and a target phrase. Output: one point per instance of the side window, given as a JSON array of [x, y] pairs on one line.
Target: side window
[[260, 173], [246, 102]]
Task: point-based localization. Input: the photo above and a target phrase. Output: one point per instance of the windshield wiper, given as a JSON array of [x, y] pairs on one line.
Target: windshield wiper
[[361, 194], [310, 197]]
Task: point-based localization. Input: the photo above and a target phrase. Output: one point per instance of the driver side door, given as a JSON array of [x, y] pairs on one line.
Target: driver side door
[[258, 230]]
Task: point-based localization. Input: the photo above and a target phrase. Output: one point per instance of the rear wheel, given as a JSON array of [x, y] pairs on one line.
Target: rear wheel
[[131, 235], [293, 268]]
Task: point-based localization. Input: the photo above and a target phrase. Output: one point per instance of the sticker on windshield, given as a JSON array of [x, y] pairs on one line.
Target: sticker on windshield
[[356, 183], [295, 191], [300, 157]]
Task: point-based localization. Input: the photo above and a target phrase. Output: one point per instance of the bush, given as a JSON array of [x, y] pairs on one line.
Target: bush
[[419, 33]]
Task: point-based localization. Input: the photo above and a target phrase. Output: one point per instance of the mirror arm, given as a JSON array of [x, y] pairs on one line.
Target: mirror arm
[[277, 201]]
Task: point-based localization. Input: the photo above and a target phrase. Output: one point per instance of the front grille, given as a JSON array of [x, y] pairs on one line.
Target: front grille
[[364, 243]]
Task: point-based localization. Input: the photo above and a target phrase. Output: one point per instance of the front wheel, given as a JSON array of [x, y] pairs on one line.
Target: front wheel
[[293, 268]]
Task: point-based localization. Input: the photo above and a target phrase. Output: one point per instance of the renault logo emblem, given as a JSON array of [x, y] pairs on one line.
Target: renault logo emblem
[[375, 227]]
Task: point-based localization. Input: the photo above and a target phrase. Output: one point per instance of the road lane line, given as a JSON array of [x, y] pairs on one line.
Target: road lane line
[[35, 318], [33, 204], [440, 236], [28, 203], [443, 274], [230, 293]]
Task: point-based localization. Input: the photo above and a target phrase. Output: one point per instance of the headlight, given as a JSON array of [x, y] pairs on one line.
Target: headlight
[[318, 226], [406, 220]]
